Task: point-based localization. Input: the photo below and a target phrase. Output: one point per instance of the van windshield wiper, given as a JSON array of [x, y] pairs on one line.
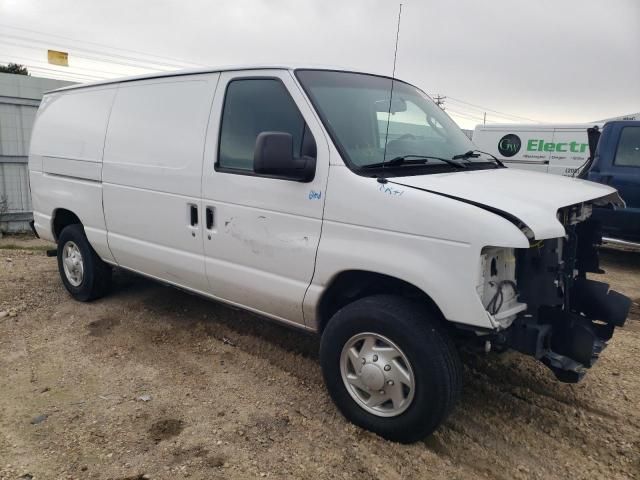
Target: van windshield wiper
[[476, 154], [412, 160], [466, 155]]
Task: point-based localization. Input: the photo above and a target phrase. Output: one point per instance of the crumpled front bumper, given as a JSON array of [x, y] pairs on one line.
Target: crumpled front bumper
[[569, 341]]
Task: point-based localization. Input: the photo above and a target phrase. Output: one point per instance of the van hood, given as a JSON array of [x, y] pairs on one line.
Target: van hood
[[533, 198]]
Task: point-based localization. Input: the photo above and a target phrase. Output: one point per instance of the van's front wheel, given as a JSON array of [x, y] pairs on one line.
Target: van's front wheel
[[83, 273], [389, 367]]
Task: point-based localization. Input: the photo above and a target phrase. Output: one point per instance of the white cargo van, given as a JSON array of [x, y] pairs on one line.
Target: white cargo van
[[343, 203], [559, 149]]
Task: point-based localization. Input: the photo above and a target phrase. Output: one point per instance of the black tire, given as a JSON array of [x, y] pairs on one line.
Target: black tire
[[433, 357], [96, 279]]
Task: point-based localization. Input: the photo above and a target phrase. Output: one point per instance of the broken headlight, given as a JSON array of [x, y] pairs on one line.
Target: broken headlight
[[496, 285]]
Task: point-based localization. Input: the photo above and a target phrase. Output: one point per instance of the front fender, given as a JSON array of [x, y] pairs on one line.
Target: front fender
[[446, 271]]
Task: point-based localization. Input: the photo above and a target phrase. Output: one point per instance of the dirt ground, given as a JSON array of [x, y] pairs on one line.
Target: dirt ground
[[151, 382]]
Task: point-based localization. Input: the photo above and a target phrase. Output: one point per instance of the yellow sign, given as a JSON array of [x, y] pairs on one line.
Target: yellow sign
[[58, 58]]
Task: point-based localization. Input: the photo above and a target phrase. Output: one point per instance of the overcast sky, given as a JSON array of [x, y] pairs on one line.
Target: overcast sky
[[555, 61]]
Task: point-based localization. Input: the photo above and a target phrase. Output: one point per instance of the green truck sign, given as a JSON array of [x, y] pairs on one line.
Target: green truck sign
[[559, 149], [535, 145]]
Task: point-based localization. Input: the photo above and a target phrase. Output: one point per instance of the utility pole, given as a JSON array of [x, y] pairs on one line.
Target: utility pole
[[440, 100], [484, 119]]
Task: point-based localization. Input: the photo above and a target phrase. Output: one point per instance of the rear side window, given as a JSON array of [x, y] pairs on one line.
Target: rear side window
[[628, 153], [252, 106]]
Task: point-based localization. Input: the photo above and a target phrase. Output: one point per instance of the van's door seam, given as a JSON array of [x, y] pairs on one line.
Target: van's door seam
[[326, 187], [104, 145], [202, 176]]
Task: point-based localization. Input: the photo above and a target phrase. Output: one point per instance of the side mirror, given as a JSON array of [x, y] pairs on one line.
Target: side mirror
[[273, 156]]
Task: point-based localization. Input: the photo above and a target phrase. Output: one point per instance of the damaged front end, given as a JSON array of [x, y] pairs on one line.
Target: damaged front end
[[555, 313]]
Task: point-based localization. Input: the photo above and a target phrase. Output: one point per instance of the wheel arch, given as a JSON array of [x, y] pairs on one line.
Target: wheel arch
[[350, 285], [62, 218]]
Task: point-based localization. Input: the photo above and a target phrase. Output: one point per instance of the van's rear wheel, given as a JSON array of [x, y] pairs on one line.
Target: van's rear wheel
[[84, 274], [389, 367]]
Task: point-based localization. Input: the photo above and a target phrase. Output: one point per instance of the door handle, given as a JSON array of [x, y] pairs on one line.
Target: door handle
[[193, 215], [209, 217]]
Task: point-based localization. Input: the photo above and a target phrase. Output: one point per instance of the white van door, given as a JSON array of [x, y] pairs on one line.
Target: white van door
[[569, 150], [152, 177], [261, 233]]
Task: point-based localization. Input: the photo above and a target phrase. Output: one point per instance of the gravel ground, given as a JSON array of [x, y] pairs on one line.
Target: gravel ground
[[152, 382]]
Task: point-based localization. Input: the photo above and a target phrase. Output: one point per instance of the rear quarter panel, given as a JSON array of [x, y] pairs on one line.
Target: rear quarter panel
[[65, 161]]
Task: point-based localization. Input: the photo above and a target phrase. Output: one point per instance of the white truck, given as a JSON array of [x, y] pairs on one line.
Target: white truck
[[559, 149], [343, 203]]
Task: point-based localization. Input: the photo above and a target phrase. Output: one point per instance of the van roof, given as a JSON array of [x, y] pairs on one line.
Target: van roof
[[536, 126], [195, 71]]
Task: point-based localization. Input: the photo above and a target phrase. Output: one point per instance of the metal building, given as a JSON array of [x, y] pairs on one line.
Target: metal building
[[20, 96]]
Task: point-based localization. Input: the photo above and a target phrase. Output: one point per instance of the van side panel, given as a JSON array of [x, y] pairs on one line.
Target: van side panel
[[517, 146], [570, 151], [558, 149], [65, 161], [152, 177], [72, 125], [84, 198]]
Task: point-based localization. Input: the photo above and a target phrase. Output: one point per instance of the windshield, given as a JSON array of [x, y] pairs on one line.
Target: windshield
[[355, 109]]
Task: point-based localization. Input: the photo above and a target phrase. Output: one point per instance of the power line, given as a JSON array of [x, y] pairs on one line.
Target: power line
[[44, 73], [8, 58], [468, 117], [74, 67], [179, 60], [143, 64], [76, 77], [462, 114], [485, 109], [458, 110], [485, 113], [476, 116], [95, 74], [499, 113]]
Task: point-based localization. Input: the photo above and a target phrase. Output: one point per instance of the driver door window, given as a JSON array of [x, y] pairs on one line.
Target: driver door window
[[252, 106]]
